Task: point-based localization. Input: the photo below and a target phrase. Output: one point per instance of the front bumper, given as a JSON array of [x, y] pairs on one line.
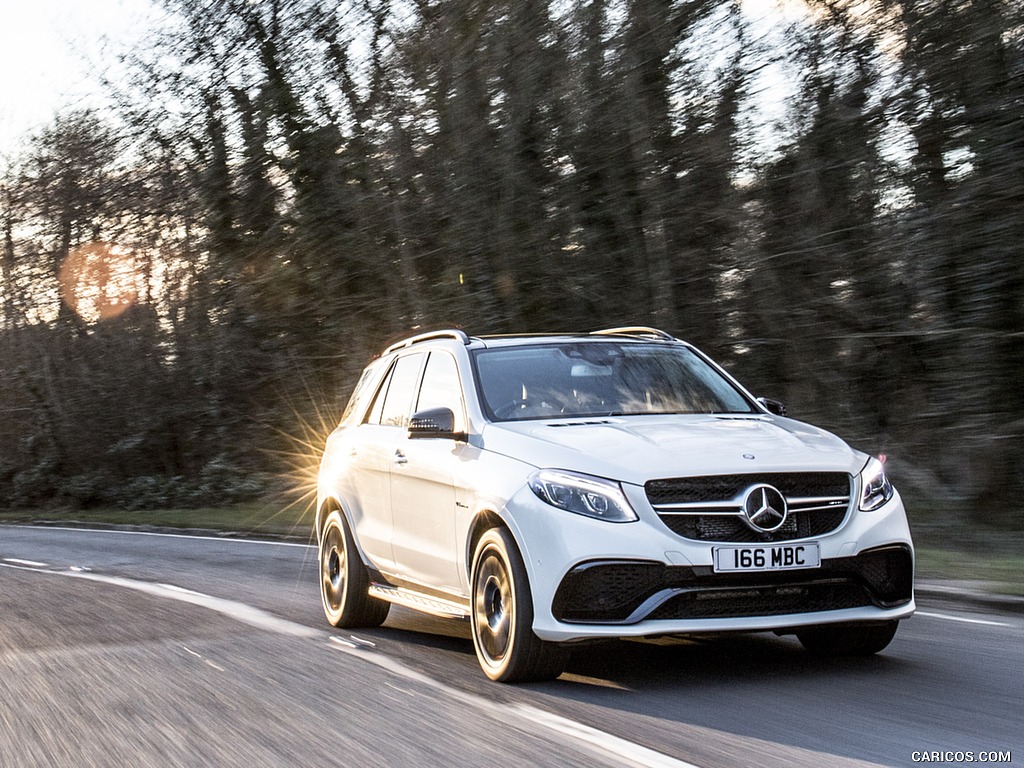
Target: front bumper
[[592, 579], [628, 592]]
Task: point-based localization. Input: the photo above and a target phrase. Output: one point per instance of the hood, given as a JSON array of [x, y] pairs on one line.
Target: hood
[[635, 449]]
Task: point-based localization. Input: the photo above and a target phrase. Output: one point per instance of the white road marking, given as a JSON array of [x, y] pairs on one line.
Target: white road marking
[[206, 661], [230, 608], [598, 741], [29, 563], [602, 741], [593, 739], [963, 619]]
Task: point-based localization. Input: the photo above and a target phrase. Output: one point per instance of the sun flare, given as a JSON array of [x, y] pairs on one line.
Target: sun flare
[[99, 281]]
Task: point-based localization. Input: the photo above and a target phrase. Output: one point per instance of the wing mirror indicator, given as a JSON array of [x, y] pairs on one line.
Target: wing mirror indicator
[[434, 423]]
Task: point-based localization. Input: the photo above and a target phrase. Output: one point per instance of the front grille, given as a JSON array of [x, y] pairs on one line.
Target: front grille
[[733, 528], [626, 592], [711, 508], [718, 487]]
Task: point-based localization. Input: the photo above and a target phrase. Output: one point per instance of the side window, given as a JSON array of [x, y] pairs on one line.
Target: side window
[[360, 395], [401, 387], [373, 417], [442, 388]]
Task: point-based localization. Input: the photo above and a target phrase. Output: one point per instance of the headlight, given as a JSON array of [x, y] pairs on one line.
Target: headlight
[[875, 486], [583, 495]]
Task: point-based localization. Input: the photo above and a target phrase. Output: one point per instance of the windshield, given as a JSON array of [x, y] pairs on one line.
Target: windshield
[[600, 379]]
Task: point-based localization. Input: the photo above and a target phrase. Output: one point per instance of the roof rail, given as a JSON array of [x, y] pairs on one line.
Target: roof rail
[[453, 333], [635, 330]]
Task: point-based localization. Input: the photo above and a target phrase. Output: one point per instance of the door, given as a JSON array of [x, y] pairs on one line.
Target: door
[[423, 486], [372, 456]]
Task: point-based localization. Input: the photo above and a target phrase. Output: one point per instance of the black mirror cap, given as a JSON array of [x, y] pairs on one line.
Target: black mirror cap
[[433, 422], [772, 406]]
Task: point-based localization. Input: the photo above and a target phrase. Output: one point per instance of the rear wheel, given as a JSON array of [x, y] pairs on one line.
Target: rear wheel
[[847, 639], [344, 581], [502, 615]]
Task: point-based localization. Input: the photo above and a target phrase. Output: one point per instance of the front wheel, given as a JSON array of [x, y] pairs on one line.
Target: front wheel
[[344, 581], [847, 639], [502, 615]]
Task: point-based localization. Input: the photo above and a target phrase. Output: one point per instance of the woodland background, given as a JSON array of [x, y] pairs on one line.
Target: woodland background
[[827, 196]]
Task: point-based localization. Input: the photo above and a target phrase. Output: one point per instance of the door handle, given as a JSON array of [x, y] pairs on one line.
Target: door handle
[[400, 458]]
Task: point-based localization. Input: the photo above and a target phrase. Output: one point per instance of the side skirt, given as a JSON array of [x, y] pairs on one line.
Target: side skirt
[[417, 601]]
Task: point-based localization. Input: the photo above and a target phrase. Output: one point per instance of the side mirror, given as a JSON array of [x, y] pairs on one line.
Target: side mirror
[[772, 406], [433, 422]]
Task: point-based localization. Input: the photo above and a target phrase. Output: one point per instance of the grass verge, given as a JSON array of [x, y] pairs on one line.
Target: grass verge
[[1003, 574]]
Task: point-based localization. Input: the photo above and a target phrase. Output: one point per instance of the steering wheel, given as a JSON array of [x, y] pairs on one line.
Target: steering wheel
[[508, 409]]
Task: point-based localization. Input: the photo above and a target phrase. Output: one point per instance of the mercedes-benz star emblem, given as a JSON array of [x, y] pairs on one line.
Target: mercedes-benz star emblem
[[764, 508]]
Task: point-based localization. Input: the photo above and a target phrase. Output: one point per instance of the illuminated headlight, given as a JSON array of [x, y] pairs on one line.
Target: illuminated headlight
[[583, 495], [875, 486]]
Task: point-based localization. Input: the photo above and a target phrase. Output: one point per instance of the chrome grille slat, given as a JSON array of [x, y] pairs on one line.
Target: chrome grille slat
[[819, 508], [735, 506], [724, 508], [834, 500]]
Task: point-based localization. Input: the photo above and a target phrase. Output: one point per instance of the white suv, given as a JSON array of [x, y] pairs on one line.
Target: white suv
[[555, 489]]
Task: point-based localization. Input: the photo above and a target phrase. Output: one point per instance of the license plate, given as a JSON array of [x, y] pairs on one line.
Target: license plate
[[773, 557]]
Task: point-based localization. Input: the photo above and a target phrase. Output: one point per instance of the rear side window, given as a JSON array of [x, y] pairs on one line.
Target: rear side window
[[360, 395]]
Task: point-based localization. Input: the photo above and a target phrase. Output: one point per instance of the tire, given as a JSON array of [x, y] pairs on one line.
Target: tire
[[501, 615], [344, 581], [847, 639]]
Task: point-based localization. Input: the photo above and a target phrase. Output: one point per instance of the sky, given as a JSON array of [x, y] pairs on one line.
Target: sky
[[51, 52]]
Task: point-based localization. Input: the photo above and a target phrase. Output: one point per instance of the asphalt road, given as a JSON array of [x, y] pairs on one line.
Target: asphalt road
[[122, 649]]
